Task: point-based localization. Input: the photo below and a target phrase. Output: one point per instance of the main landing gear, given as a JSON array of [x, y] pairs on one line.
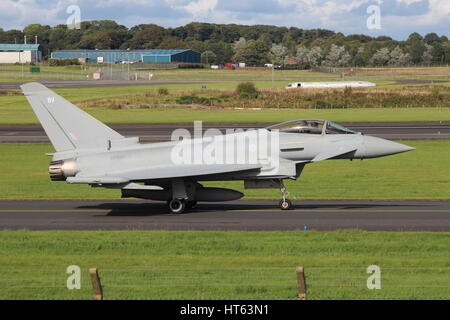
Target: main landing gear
[[285, 204], [176, 205], [179, 206]]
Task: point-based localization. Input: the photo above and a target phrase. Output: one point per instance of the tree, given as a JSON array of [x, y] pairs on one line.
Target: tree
[[438, 53], [278, 53], [101, 40], [222, 50], [427, 55], [431, 38], [209, 57], [253, 52], [309, 57], [238, 44], [147, 37], [338, 56], [381, 57], [172, 43], [360, 58], [414, 37], [398, 57], [416, 51]]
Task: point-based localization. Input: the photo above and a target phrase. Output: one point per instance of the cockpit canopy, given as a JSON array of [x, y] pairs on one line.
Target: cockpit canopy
[[311, 126]]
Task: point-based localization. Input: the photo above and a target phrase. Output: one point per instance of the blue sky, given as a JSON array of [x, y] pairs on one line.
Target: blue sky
[[399, 18]]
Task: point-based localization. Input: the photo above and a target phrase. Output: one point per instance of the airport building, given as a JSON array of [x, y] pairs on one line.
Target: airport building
[[20, 53], [130, 56]]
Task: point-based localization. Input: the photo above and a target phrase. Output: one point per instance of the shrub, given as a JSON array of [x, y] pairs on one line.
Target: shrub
[[190, 66], [247, 90], [163, 91], [63, 62], [348, 91], [193, 99]]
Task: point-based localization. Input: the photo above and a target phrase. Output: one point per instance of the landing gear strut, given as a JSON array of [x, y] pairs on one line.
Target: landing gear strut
[[285, 204]]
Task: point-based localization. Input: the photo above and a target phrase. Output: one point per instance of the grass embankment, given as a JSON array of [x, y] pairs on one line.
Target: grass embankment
[[224, 265], [419, 174], [408, 97], [115, 105]]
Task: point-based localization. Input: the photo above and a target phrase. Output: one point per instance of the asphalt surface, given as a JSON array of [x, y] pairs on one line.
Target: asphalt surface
[[236, 215], [162, 132]]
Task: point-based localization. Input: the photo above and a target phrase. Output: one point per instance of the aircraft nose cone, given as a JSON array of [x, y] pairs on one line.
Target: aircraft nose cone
[[377, 147]]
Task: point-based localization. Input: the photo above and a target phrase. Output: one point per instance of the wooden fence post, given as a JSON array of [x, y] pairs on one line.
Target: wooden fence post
[[96, 284], [301, 283]]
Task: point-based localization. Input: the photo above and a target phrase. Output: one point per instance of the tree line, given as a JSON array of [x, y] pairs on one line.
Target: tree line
[[254, 45]]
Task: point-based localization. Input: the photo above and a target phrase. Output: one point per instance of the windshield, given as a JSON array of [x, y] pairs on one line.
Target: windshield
[[300, 126], [334, 128]]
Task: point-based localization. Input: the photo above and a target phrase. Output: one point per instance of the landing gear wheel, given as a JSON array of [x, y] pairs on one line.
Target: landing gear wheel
[[191, 204], [176, 205], [285, 204]]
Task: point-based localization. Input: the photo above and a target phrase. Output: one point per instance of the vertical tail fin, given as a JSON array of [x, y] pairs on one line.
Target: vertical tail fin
[[67, 126]]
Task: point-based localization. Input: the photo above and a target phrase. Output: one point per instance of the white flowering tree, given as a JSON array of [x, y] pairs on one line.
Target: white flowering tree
[[309, 57], [381, 57], [338, 57], [278, 53], [398, 57]]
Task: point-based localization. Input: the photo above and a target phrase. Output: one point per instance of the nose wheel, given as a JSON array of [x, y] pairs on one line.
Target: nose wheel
[[285, 204]]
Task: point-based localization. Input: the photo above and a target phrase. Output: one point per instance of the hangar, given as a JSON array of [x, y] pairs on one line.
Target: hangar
[[139, 55], [20, 53]]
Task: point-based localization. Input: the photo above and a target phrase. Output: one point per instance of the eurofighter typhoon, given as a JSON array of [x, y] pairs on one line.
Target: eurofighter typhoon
[[89, 152]]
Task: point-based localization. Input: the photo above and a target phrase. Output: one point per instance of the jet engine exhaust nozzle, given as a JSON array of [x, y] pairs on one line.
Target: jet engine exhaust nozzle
[[61, 169]]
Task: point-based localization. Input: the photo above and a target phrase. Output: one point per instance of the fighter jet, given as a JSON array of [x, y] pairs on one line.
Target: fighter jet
[[89, 152]]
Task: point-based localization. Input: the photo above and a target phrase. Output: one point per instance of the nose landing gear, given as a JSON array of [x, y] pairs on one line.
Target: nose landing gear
[[285, 204]]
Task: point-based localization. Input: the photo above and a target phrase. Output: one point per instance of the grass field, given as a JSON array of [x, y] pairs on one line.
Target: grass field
[[224, 265], [393, 101], [59, 69], [368, 74], [14, 109], [420, 174]]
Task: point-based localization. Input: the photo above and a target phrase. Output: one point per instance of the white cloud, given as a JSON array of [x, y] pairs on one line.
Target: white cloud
[[408, 2], [399, 17], [199, 9]]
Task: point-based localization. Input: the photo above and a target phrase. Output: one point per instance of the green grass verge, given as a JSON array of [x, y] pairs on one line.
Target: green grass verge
[[16, 110], [418, 174], [224, 265], [62, 69]]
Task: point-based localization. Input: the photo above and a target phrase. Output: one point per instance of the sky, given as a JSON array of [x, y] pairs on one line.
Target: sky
[[394, 18]]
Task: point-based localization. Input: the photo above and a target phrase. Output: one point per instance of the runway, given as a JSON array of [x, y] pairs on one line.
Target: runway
[[249, 215], [162, 132]]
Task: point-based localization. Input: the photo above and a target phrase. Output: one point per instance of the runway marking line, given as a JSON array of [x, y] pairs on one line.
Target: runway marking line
[[355, 210], [350, 210], [56, 211]]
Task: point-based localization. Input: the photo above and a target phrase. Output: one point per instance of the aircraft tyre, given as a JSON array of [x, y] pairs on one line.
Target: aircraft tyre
[[176, 205], [285, 204]]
